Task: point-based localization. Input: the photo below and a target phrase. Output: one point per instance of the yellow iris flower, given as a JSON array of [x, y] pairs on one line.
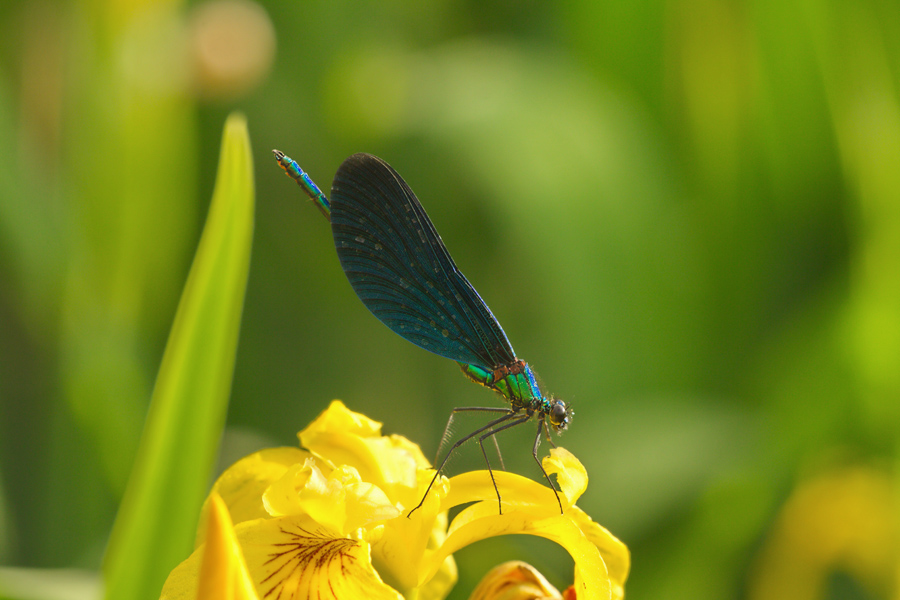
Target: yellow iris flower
[[331, 521], [842, 521]]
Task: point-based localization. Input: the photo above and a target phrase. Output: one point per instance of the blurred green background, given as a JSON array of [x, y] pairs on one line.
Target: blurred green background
[[685, 214]]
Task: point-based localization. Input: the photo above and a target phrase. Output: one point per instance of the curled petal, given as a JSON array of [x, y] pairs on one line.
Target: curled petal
[[517, 492], [531, 508], [615, 554], [344, 437], [570, 473], [514, 580], [482, 521]]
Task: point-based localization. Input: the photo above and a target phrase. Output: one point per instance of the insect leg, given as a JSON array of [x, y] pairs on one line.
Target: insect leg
[[446, 435], [492, 433], [537, 442], [509, 415]]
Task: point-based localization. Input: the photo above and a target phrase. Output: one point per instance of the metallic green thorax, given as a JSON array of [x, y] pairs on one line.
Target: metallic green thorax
[[515, 382]]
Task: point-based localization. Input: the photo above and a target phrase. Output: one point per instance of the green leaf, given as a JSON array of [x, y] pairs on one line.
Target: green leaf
[[155, 526]]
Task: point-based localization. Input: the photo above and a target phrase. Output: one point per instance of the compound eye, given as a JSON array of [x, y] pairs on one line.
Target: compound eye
[[558, 413]]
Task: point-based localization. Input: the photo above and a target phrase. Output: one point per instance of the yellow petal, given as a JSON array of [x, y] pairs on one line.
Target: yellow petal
[[223, 573], [570, 474], [843, 520], [339, 501], [406, 541], [242, 485], [337, 417], [367, 505], [481, 521], [439, 586], [344, 437], [615, 554], [216, 570], [517, 492], [514, 580], [528, 507], [292, 557]]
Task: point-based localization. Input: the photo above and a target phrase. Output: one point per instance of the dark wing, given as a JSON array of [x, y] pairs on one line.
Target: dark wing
[[400, 269]]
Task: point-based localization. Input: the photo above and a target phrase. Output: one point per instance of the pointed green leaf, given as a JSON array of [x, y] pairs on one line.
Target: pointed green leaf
[[157, 519]]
